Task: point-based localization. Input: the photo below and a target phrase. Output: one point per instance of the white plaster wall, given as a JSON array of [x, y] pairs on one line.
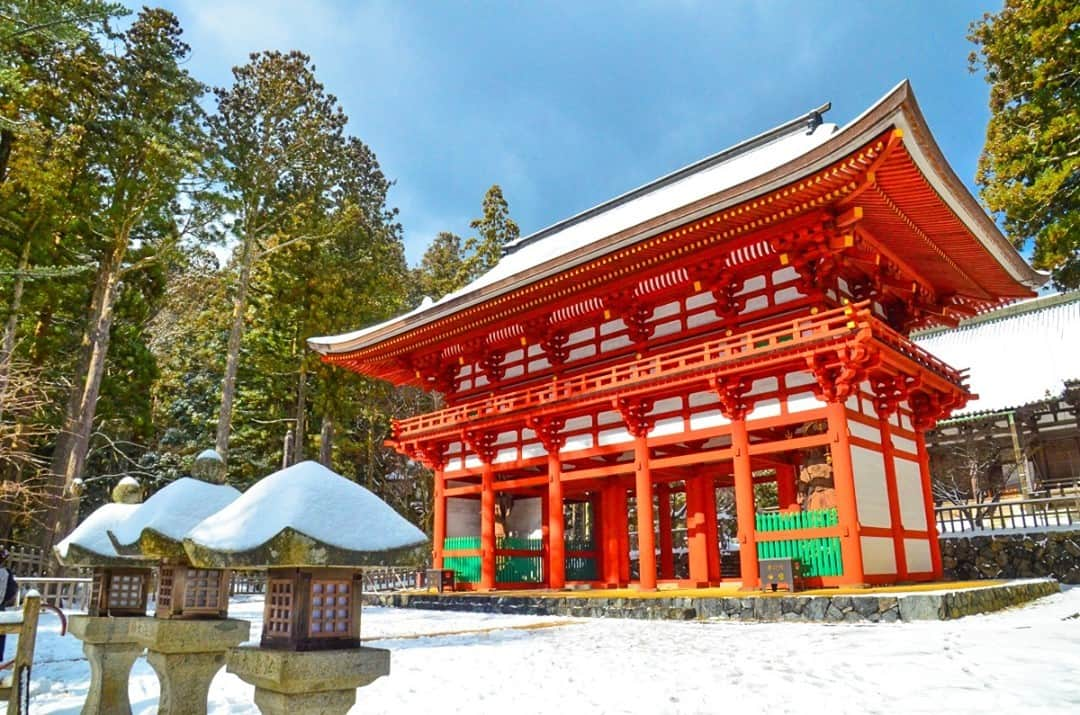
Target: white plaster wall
[[784, 275], [786, 295], [534, 449], [764, 384], [669, 425], [577, 442], [803, 402], [765, 408], [905, 445], [864, 431], [910, 490], [878, 555], [669, 404], [614, 436], [707, 419], [697, 319], [871, 494], [917, 555], [505, 455]]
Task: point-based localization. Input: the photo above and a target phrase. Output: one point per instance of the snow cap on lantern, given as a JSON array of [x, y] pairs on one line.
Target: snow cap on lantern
[[304, 515], [120, 583], [156, 529], [312, 529], [89, 543], [158, 526]]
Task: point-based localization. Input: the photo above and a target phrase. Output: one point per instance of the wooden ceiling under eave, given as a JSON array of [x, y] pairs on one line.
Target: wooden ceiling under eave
[[904, 212]]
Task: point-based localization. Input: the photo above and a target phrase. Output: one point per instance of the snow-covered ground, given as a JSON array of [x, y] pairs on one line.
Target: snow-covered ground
[[1020, 661]]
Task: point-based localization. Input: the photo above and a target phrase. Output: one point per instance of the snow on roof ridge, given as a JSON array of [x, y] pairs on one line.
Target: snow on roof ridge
[[515, 261], [1006, 312], [806, 123], [1043, 334]]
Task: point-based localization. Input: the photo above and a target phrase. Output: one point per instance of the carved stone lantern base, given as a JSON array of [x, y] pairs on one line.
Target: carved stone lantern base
[[186, 655], [313, 682], [111, 649]]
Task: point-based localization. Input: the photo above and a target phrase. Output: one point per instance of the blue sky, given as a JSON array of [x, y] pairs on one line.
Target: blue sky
[[568, 104]]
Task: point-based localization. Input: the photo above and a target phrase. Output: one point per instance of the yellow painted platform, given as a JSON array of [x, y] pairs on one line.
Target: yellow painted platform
[[727, 591]]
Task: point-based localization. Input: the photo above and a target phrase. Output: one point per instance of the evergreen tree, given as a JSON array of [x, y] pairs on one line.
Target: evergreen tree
[[146, 137], [494, 230], [1030, 167], [280, 138], [442, 270]]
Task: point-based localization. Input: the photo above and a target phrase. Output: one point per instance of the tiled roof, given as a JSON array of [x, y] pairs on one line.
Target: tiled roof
[[1017, 355]]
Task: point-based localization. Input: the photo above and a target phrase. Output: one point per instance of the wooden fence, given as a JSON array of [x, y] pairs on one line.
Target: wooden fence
[[388, 578], [70, 594], [1046, 514], [25, 560]]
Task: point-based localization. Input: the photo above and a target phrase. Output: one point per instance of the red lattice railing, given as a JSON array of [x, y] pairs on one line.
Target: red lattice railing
[[733, 353]]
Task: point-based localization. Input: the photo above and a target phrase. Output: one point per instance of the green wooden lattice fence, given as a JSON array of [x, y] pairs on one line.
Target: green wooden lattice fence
[[818, 557], [516, 569], [580, 568], [466, 568]]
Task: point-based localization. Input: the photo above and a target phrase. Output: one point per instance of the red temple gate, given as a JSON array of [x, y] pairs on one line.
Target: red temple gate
[[741, 322]]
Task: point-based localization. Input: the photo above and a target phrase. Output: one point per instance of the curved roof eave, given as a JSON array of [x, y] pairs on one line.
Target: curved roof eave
[[897, 109]]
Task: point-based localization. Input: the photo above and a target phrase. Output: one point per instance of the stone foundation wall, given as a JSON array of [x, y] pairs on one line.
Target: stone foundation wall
[[869, 608], [1055, 554]]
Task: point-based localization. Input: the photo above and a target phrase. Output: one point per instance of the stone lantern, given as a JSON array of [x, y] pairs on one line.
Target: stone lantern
[[312, 530], [118, 597], [187, 639]]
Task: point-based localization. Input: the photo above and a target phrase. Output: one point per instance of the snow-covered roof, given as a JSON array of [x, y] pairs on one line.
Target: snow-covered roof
[[89, 543], [304, 515], [708, 176], [798, 147], [1017, 355], [169, 514]]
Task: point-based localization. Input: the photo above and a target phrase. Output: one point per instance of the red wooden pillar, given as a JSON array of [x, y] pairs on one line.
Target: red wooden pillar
[[786, 492], [667, 551], [545, 538], [556, 526], [643, 492], [696, 532], [744, 504], [622, 529], [846, 505], [928, 499], [610, 533], [482, 444], [487, 527], [712, 528], [438, 527], [549, 432], [894, 496]]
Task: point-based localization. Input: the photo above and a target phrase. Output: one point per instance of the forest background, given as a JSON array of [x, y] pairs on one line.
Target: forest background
[[166, 248]]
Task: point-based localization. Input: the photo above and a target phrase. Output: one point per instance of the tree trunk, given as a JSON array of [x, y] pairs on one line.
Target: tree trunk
[[301, 414], [286, 449], [7, 345], [326, 442], [7, 140], [232, 356], [69, 457]]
